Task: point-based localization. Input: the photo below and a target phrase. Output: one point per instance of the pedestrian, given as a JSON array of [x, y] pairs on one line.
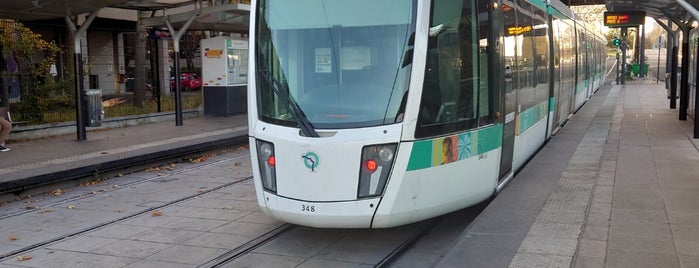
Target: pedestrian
[[5, 127]]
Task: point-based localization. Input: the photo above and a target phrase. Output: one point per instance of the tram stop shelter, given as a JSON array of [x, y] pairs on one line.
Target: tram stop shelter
[[173, 16]]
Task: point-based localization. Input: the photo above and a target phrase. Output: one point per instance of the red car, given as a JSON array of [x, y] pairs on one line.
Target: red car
[[188, 81]]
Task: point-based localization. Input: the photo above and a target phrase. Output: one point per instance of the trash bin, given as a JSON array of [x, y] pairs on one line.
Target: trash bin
[[639, 69], [95, 113]]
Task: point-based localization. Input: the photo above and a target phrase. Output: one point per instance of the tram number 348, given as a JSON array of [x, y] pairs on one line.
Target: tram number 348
[[308, 208]]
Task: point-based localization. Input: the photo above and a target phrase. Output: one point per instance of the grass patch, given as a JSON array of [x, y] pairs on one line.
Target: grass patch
[[122, 105]]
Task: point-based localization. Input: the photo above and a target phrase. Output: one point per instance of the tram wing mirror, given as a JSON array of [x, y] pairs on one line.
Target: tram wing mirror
[[408, 56]]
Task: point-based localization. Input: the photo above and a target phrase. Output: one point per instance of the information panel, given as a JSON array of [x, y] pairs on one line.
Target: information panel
[[624, 18]]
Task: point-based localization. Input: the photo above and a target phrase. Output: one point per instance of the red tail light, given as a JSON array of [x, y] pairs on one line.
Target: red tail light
[[371, 165]]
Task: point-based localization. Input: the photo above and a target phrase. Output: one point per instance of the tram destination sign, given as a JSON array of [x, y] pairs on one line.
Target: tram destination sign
[[624, 18]]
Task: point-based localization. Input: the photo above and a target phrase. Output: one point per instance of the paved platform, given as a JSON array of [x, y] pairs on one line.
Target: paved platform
[[41, 161], [617, 187]]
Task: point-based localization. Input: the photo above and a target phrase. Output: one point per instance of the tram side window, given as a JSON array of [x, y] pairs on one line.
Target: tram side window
[[487, 106], [450, 92], [532, 47]]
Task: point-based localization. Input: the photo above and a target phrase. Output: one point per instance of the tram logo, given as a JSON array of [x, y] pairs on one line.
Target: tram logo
[[311, 160]]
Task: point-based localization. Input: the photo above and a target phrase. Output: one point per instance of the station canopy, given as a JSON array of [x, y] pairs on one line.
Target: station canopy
[[659, 9], [225, 16], [50, 9]]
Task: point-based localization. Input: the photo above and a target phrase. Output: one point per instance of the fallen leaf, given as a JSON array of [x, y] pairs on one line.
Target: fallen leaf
[[24, 258], [13, 238], [91, 182], [156, 213], [45, 211], [120, 175], [237, 164], [57, 192], [71, 207]]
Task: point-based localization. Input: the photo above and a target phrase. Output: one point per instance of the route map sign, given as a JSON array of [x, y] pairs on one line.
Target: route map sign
[[624, 18]]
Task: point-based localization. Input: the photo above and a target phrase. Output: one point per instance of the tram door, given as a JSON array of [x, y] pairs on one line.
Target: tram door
[[509, 70]]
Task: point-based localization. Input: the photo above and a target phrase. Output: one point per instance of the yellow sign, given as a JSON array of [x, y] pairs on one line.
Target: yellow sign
[[518, 30], [213, 53]]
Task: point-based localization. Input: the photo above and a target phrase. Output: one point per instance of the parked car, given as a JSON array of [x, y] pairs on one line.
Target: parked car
[[188, 81]]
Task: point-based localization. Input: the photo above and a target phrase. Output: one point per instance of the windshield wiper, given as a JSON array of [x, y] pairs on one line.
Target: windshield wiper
[[291, 105]]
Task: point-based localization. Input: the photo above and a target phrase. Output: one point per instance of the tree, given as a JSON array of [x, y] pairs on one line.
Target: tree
[[33, 56], [190, 47]]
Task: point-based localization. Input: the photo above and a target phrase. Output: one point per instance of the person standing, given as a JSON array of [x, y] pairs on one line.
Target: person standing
[[5, 127]]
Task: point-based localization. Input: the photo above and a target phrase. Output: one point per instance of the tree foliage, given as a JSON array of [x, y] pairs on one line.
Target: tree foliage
[[34, 57]]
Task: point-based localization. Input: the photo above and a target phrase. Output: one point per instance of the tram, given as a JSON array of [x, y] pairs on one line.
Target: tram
[[379, 113]]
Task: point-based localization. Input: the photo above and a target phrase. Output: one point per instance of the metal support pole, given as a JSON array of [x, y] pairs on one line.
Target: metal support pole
[[668, 44], [657, 70], [176, 35], [80, 111], [618, 66], [673, 74], [178, 90], [79, 97], [624, 45], [674, 57], [642, 50], [636, 46], [696, 101], [684, 88]]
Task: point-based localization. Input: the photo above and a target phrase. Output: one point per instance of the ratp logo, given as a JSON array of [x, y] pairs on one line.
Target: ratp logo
[[311, 160]]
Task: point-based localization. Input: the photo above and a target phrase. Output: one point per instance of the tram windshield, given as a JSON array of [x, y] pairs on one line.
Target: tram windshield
[[343, 64]]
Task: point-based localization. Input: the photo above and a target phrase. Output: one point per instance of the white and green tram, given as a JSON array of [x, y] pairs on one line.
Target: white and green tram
[[378, 113]]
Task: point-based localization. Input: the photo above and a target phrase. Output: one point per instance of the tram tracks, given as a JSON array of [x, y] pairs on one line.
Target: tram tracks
[[103, 191], [132, 215], [246, 248], [395, 250]]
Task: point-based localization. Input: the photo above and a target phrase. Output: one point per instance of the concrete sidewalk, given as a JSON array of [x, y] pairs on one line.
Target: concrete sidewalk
[[617, 187], [42, 161]]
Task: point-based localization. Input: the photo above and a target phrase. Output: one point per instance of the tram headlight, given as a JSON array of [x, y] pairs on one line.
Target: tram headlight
[[376, 164], [266, 162]]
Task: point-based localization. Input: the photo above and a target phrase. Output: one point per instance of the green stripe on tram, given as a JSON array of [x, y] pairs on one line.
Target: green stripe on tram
[[443, 150], [532, 115], [552, 104]]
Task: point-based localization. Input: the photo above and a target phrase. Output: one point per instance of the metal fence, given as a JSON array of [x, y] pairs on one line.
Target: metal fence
[[39, 91]]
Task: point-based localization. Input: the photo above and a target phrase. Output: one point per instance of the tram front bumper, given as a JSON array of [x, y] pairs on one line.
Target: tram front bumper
[[341, 214]]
